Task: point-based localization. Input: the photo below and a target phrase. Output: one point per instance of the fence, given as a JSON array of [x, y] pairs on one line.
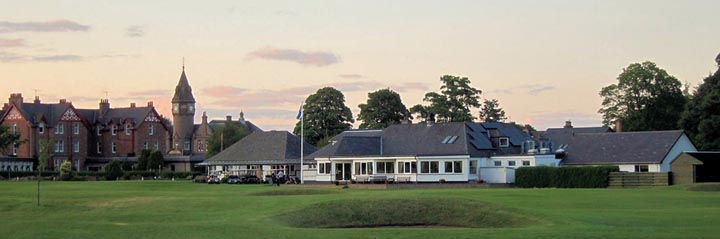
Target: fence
[[628, 179]]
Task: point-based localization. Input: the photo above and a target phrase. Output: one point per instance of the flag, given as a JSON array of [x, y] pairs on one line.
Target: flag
[[300, 111]]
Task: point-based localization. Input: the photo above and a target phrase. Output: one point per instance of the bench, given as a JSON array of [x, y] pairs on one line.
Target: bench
[[403, 179], [362, 179], [376, 179]]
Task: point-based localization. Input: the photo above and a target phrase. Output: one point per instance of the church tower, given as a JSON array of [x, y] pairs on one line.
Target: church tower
[[183, 110]]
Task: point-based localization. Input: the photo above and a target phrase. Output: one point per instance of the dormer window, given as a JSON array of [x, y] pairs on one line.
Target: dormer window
[[504, 142], [41, 128], [151, 129], [128, 129], [450, 139], [113, 130], [60, 128]]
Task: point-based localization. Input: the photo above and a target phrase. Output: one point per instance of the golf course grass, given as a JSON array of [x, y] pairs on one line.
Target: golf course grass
[[181, 209]]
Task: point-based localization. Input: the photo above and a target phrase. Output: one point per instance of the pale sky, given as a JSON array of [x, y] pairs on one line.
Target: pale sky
[[545, 61]]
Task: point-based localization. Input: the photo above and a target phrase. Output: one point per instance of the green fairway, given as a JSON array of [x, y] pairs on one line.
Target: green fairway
[[166, 209]]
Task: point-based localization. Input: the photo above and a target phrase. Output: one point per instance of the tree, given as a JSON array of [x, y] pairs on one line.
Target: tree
[[66, 170], [645, 98], [422, 112], [8, 139], [113, 170], [491, 111], [455, 100], [156, 160], [383, 108], [325, 115], [46, 147], [701, 119], [226, 135], [143, 159]]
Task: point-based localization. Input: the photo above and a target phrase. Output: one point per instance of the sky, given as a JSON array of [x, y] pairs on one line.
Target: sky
[[545, 61]]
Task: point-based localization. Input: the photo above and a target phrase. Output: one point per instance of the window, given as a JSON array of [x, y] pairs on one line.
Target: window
[[450, 139], [76, 164], [60, 128], [497, 163], [76, 128], [186, 145], [14, 149], [145, 145], [76, 146], [128, 129], [59, 146], [641, 168], [324, 168], [97, 130], [14, 128], [151, 129], [99, 147], [113, 130], [385, 167], [157, 145], [504, 142], [41, 128], [407, 167], [511, 163], [364, 168], [114, 147], [526, 163], [453, 166], [429, 167], [473, 166]]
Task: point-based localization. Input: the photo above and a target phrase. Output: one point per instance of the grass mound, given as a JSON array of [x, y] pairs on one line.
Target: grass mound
[[404, 213], [705, 187], [285, 192]]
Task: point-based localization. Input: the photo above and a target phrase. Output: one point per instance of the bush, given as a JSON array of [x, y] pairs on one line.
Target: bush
[[113, 170], [66, 172], [563, 177], [224, 180]]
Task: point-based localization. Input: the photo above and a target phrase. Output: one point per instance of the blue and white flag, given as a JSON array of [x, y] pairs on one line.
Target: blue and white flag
[[300, 111]]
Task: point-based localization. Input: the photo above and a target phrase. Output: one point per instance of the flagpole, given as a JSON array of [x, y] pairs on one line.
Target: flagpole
[[302, 145]]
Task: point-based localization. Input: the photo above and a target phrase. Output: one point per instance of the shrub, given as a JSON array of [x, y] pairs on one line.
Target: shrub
[[563, 177], [224, 180], [66, 172], [113, 170]]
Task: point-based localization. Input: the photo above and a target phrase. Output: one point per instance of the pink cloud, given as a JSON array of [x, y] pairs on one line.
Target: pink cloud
[[47, 26], [312, 58], [223, 91]]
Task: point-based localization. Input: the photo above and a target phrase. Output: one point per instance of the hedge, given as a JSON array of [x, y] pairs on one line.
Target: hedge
[[563, 177], [100, 174]]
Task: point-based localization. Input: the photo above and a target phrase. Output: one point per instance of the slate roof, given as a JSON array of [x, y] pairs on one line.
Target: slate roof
[[35, 112], [411, 140], [264, 147], [118, 115], [215, 123], [562, 136], [620, 148], [183, 91]]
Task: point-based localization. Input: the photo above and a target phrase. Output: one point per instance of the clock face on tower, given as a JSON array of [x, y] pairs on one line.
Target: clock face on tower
[[191, 109], [176, 108]]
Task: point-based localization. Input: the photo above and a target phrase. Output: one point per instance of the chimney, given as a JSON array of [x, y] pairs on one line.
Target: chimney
[[104, 106], [132, 105], [204, 118], [37, 100], [63, 101], [568, 124], [150, 104], [431, 120], [242, 117], [228, 118], [16, 99], [618, 126]]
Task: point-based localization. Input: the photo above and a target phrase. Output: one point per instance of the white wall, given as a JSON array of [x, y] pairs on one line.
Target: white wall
[[631, 167], [497, 174]]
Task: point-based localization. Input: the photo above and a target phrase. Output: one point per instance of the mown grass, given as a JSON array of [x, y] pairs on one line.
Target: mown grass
[[398, 212], [294, 191], [165, 209], [705, 187]]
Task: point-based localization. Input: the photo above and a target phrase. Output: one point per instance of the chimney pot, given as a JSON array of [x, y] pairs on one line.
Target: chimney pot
[[150, 104], [37, 100], [132, 105], [568, 124], [63, 101], [618, 126], [229, 117]]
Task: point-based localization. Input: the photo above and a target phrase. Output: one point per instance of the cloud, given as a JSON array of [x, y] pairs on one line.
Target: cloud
[[56, 58], [7, 43], [310, 58], [7, 57], [223, 91], [531, 89], [351, 76], [135, 31], [145, 93], [48, 26], [542, 120]]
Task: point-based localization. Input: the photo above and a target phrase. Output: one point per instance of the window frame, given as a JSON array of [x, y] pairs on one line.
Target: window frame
[[76, 128], [128, 129], [76, 146], [639, 168], [113, 148], [526, 163], [60, 128], [506, 144], [113, 129], [497, 163], [151, 129], [512, 163]]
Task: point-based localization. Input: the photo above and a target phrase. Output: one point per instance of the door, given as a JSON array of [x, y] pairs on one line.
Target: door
[[343, 171]]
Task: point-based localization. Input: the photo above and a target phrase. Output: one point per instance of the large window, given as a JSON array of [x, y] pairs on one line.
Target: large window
[[407, 167], [76, 128], [364, 168], [429, 167], [385, 167], [76, 146], [60, 128], [59, 146], [641, 168], [453, 166], [324, 168], [186, 145]]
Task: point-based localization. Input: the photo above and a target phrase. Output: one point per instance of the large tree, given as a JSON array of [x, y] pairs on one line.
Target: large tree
[[325, 116], [701, 119], [383, 108], [8, 139], [491, 111], [226, 135], [454, 102], [645, 98]]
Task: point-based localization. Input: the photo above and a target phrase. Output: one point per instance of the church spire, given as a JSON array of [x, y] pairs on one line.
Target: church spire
[[183, 91]]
